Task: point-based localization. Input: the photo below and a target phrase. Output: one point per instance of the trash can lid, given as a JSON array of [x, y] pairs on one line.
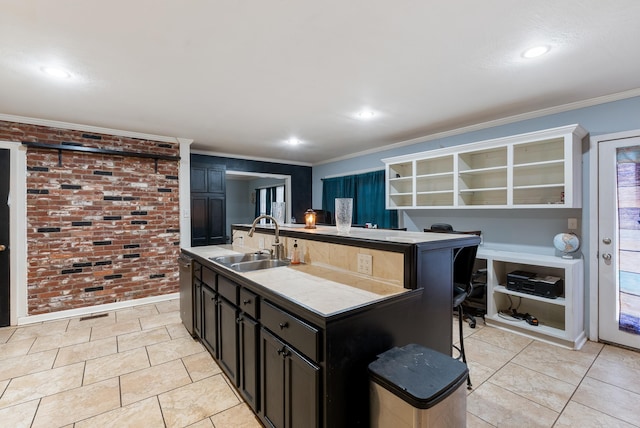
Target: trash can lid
[[420, 376]]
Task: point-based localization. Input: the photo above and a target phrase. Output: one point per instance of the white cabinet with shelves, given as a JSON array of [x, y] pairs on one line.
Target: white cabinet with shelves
[[535, 170], [561, 320], [400, 178]]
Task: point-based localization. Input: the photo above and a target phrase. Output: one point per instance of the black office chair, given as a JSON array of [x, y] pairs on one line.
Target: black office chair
[[464, 275], [463, 262]]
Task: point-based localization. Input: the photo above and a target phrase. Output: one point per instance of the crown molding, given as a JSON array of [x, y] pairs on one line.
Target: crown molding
[[254, 158], [88, 128]]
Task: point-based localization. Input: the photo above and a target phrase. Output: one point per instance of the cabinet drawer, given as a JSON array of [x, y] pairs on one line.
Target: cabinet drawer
[[228, 289], [249, 303], [292, 330], [209, 277]]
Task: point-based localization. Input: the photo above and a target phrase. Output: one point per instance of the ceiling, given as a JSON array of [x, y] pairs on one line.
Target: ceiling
[[241, 77]]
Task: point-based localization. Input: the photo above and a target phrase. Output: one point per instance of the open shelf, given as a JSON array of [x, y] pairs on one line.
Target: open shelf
[[502, 289], [479, 197], [400, 185], [435, 199], [401, 170], [539, 151], [434, 183], [561, 320], [443, 164], [401, 200], [482, 159], [535, 170], [539, 331], [538, 174]]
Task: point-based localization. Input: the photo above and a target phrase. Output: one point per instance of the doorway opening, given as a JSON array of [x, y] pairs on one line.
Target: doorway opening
[[241, 195]]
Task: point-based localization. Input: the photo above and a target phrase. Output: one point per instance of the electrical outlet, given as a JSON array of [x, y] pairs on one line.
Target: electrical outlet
[[572, 224], [261, 243], [365, 264]]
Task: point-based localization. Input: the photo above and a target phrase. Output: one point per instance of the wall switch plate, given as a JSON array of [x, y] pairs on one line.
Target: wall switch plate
[[572, 223], [365, 264], [261, 243]]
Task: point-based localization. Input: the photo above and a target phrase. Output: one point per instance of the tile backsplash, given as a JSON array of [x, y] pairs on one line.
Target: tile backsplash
[[386, 265]]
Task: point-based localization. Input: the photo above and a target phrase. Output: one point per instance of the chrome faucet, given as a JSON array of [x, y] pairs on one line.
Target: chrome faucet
[[277, 254]]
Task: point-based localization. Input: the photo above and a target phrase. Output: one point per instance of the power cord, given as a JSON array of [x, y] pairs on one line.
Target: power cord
[[512, 313]]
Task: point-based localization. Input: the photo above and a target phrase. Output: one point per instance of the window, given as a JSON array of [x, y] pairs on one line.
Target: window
[[264, 197]]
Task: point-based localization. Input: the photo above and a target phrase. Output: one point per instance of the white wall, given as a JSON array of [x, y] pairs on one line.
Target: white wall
[[240, 210]]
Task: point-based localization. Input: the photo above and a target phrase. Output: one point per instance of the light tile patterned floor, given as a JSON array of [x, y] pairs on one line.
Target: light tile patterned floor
[[519, 382], [138, 367]]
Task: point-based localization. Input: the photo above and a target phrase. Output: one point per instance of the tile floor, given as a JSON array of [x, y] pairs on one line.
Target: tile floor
[[138, 367]]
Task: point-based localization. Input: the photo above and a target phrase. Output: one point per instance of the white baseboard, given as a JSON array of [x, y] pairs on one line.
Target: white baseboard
[[95, 309]]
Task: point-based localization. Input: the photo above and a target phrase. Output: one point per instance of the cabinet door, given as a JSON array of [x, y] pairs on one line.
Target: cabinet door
[[249, 331], [216, 179], [208, 180], [290, 385], [272, 379], [208, 220], [197, 307], [302, 380], [199, 221], [228, 339], [209, 320], [216, 220], [208, 207], [198, 179]]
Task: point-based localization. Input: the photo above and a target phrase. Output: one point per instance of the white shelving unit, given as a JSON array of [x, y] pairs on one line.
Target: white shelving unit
[[534, 170], [561, 320]]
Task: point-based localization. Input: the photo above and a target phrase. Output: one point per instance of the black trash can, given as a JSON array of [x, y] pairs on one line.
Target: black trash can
[[417, 387]]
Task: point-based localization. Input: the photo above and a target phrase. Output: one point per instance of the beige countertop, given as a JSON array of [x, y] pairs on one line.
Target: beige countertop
[[384, 235], [322, 289]]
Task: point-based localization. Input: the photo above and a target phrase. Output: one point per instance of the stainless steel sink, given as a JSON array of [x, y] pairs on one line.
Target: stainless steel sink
[[258, 264], [240, 258], [249, 262]]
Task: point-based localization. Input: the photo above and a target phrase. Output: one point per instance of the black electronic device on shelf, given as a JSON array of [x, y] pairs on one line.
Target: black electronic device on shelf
[[531, 283]]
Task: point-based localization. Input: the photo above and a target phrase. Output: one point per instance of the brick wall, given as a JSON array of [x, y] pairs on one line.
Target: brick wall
[[100, 228]]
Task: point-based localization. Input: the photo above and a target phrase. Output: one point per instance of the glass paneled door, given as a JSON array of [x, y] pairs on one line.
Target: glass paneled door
[[619, 241]]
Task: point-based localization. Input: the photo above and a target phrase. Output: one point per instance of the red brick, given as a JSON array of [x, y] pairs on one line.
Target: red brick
[[52, 252]]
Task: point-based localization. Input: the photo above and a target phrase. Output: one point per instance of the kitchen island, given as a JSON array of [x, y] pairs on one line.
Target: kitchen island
[[296, 340]]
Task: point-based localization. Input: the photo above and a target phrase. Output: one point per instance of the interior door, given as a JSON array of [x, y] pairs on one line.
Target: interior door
[[4, 238], [619, 241]]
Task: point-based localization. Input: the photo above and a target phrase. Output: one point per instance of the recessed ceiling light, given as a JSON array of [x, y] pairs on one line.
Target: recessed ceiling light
[[293, 141], [366, 114], [59, 73], [535, 51]]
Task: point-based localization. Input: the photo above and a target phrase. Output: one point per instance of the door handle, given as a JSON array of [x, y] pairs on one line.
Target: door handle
[[2, 248]]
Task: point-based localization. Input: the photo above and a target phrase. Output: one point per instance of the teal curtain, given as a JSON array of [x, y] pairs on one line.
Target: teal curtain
[[367, 191]]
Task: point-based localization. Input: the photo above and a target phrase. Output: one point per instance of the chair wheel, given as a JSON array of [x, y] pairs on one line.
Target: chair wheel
[[472, 324]]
